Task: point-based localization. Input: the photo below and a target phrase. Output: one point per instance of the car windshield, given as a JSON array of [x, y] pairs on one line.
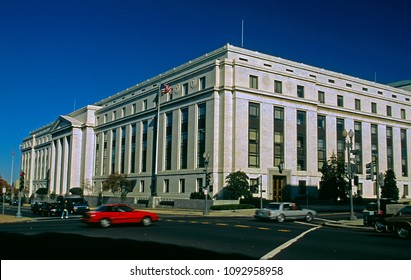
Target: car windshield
[[273, 206]]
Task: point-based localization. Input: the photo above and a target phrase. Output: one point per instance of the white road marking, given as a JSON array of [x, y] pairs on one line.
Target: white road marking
[[286, 244]]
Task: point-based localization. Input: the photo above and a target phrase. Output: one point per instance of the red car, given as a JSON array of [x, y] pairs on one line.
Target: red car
[[111, 214]]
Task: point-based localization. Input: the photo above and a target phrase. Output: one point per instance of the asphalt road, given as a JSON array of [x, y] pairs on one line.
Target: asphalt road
[[196, 238]]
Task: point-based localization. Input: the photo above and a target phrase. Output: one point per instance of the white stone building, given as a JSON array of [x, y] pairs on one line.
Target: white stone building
[[247, 110]]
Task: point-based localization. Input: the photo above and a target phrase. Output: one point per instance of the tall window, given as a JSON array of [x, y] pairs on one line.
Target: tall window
[[278, 86], [373, 107], [403, 115], [374, 139], [182, 186], [389, 111], [169, 137], [123, 149], [358, 146], [144, 147], [253, 135], [105, 159], [300, 91], [321, 96], [390, 151], [184, 138], [278, 135], [113, 150], [202, 83], [184, 90], [321, 141], [253, 82], [96, 166], [201, 133], [340, 139], [404, 158], [340, 101], [133, 148], [301, 141], [358, 104]]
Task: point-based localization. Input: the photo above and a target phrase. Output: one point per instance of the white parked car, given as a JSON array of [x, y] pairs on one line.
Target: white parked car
[[282, 211]]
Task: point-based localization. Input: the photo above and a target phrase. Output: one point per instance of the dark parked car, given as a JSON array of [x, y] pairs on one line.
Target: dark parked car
[[50, 209], [110, 214], [400, 223], [35, 207]]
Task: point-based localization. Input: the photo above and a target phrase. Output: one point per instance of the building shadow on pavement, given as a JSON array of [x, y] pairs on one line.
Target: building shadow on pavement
[[60, 246]]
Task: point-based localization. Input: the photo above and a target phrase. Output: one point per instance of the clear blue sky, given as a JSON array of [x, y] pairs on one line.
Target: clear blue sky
[[59, 55]]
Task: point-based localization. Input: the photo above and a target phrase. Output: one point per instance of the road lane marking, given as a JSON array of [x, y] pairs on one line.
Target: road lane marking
[[286, 244], [264, 228], [284, 230], [221, 224], [242, 226]]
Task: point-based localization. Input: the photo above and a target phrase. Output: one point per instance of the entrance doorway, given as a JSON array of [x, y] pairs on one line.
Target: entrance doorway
[[278, 187]]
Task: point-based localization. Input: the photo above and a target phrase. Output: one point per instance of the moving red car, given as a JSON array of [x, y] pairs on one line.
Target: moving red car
[[111, 214]]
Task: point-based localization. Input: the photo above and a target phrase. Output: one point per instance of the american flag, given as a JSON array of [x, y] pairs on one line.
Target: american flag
[[166, 89]]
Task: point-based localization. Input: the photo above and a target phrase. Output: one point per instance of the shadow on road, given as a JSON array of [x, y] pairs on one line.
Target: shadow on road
[[59, 246]]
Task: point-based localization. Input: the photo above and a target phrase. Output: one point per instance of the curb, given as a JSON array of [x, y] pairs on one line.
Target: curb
[[342, 225]]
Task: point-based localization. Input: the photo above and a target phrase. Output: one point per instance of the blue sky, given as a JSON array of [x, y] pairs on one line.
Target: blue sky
[[59, 55]]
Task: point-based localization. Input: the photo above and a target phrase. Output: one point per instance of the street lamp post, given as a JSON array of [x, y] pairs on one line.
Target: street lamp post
[[348, 144], [206, 157]]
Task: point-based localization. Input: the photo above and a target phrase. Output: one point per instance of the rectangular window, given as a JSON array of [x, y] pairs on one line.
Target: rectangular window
[[113, 150], [374, 139], [184, 90], [405, 192], [278, 135], [253, 135], [201, 133], [202, 83], [340, 101], [184, 138], [302, 187], [199, 184], [321, 96], [340, 139], [166, 186], [253, 82], [144, 144], [105, 159], [321, 141], [358, 104], [133, 108], [389, 111], [278, 86], [301, 141], [123, 150], [300, 91], [182, 186], [169, 137], [373, 107], [133, 148], [404, 157], [142, 186], [358, 146], [390, 149], [403, 115], [97, 163]]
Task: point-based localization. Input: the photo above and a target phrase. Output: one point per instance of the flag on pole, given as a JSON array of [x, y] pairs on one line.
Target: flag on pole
[[166, 89]]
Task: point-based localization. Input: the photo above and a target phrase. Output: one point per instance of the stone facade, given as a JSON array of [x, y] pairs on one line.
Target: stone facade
[[247, 110]]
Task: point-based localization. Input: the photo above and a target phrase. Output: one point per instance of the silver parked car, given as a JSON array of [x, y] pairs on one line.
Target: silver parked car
[[282, 211]]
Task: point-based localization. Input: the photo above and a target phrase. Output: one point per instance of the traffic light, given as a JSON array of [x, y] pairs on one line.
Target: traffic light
[[209, 181], [21, 181], [369, 170]]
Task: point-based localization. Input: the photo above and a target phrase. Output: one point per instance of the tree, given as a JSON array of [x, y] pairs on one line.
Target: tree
[[237, 186], [118, 185], [334, 184], [390, 189]]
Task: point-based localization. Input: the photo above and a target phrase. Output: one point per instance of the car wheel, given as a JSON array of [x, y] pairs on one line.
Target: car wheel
[[146, 221], [403, 231], [281, 218], [105, 223], [379, 226], [309, 217]]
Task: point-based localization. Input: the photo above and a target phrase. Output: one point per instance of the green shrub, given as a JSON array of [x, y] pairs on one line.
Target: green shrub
[[198, 195], [167, 202]]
